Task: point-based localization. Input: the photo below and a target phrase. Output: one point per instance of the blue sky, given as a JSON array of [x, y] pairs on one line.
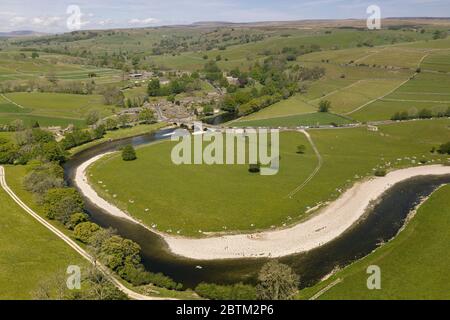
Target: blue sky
[[50, 15]]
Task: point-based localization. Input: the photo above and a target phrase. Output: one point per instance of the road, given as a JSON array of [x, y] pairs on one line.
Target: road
[[130, 293]]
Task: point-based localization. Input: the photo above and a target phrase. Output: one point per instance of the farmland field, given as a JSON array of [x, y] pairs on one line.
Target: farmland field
[[349, 103], [349, 155], [310, 119], [13, 66], [50, 108]]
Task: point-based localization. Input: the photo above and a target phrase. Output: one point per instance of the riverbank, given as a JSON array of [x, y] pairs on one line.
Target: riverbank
[[121, 134], [327, 225]]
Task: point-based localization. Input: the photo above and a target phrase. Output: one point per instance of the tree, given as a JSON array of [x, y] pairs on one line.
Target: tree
[[34, 55], [52, 288], [53, 151], [123, 120], [425, 114], [277, 281], [324, 106], [128, 153], [113, 96], [440, 34], [99, 131], [85, 231], [76, 219], [17, 125], [444, 148], [92, 117], [111, 124], [100, 288], [61, 203], [43, 178], [146, 116], [154, 88], [301, 149], [117, 252]]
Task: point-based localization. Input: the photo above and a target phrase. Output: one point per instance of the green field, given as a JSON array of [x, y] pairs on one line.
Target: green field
[[413, 265], [30, 253], [426, 90], [190, 198], [310, 119], [50, 108], [13, 66]]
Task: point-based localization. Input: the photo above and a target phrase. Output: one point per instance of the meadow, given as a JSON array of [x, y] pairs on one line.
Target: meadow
[[218, 198], [426, 90], [16, 65], [302, 120], [30, 253], [50, 108], [413, 265]]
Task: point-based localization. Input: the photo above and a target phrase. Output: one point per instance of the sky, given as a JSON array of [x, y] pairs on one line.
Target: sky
[[53, 15]]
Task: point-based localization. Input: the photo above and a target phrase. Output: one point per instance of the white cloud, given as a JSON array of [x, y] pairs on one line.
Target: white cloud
[[143, 21], [45, 21], [105, 22], [14, 21]]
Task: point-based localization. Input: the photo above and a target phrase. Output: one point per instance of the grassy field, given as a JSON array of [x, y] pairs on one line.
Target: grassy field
[[50, 108], [197, 197], [310, 119], [292, 106], [13, 66], [426, 90], [190, 198], [413, 265], [244, 54], [358, 94], [30, 253]]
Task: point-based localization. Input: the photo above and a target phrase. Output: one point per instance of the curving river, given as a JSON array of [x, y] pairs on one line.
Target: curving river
[[381, 224]]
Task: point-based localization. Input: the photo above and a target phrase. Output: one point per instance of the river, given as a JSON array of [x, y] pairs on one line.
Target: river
[[379, 225]]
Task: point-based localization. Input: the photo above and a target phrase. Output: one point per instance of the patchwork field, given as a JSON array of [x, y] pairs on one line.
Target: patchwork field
[[309, 119], [14, 66], [426, 90], [190, 198], [412, 265], [50, 108]]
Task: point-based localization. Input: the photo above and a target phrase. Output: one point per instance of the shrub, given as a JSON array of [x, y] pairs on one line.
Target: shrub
[[85, 231], [117, 252], [324, 106], [128, 153], [61, 203], [43, 178], [444, 148], [380, 173], [76, 219], [254, 168], [301, 149]]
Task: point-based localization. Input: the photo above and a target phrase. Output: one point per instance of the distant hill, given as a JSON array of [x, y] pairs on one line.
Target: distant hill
[[20, 33]]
